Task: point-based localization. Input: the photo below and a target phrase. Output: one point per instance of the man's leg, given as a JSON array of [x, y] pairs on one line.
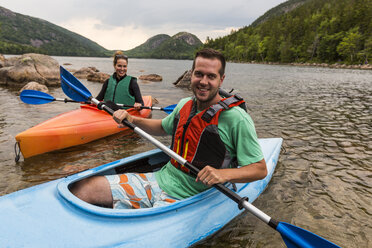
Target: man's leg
[[94, 190]]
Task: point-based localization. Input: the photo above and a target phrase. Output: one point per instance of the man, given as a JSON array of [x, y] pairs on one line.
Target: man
[[212, 133]]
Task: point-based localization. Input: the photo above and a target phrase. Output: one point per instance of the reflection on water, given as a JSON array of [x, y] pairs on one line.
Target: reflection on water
[[323, 179]]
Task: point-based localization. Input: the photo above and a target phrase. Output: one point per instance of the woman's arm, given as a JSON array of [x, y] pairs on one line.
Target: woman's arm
[[135, 91], [101, 94]]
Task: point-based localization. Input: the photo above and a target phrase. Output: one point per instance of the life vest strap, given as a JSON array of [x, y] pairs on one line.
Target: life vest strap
[[223, 104]]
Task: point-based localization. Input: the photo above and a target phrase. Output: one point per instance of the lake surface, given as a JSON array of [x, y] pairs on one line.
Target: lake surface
[[323, 181]]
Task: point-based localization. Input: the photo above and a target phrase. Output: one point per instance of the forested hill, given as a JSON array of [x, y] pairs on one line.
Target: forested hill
[[321, 31], [279, 10], [162, 46], [23, 34]]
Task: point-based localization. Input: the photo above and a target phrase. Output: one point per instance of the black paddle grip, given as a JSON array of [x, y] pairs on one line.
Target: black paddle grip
[[220, 187], [242, 200], [111, 105], [273, 223], [229, 193]]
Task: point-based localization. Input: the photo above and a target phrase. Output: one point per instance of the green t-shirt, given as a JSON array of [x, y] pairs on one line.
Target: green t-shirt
[[237, 132]]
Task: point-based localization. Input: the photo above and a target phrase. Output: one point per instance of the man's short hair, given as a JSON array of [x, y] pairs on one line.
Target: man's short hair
[[210, 53]]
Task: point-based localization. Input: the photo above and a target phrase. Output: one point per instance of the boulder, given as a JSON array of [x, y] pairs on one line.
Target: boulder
[[35, 86], [184, 80], [85, 71], [145, 82], [30, 67], [151, 77], [98, 77]]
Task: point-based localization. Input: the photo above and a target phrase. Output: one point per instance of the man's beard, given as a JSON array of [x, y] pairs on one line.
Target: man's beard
[[211, 96]]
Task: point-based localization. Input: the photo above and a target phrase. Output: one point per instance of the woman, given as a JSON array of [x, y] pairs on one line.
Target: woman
[[120, 87]]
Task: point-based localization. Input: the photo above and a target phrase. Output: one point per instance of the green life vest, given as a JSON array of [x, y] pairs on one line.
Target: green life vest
[[118, 92]]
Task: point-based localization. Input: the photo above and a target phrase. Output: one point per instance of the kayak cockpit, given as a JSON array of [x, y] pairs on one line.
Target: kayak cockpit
[[147, 162], [153, 160]]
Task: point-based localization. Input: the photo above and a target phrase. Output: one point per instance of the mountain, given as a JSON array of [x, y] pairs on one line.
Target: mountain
[[23, 34], [162, 46], [147, 47], [279, 10], [304, 31]]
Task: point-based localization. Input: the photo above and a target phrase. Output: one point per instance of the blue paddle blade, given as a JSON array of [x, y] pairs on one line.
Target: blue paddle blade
[[72, 87], [296, 237], [169, 109], [35, 97]]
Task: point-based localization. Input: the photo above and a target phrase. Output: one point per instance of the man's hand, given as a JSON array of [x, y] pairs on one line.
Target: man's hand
[[210, 175], [244, 174], [120, 115]]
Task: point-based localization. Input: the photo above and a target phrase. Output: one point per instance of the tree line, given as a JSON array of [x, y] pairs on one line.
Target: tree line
[[319, 31]]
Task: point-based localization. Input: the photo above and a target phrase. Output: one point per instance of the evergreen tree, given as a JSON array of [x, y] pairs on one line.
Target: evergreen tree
[[313, 31]]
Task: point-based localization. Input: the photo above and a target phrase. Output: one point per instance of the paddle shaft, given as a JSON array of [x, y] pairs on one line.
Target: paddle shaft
[[243, 202], [120, 105], [142, 107], [78, 90], [66, 100]]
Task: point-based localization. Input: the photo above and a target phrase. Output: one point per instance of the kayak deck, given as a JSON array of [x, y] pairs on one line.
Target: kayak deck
[[48, 215], [72, 128]]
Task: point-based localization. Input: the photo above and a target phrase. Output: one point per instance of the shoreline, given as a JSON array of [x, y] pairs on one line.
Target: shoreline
[[3, 57], [335, 66]]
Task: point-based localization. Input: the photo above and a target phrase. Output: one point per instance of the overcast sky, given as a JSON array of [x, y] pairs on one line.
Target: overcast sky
[[125, 24]]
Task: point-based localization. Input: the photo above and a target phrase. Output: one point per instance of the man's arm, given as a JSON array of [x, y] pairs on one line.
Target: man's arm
[[249, 173], [151, 126]]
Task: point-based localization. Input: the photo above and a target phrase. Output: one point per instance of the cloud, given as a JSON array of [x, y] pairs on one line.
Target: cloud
[[124, 24], [129, 36], [108, 36]]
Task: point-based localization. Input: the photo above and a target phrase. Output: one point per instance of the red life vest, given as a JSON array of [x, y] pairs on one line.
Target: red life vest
[[196, 137]]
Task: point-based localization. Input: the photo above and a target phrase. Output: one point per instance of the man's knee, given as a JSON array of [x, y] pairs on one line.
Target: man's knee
[[82, 188], [95, 190]]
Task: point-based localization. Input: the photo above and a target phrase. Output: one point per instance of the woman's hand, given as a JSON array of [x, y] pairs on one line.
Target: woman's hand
[[137, 106]]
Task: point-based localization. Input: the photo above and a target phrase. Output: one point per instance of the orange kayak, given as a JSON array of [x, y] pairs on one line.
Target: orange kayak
[[72, 128]]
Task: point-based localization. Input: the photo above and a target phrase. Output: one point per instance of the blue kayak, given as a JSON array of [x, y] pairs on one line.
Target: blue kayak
[[49, 215]]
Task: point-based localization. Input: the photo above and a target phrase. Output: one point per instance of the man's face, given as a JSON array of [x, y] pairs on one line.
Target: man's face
[[206, 80]]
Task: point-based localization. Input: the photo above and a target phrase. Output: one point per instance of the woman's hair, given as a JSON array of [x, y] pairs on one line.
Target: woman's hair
[[119, 55]]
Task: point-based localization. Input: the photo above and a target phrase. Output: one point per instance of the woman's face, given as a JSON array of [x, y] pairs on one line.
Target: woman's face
[[121, 67]]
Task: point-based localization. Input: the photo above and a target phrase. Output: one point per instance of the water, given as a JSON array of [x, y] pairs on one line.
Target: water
[[323, 180]]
